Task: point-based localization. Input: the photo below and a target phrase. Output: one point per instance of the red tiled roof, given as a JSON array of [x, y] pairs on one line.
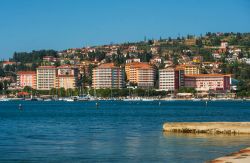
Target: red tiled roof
[[207, 75], [139, 65], [8, 62], [26, 72], [107, 65], [47, 67]]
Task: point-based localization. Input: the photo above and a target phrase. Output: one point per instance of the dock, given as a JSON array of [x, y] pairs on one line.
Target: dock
[[208, 127], [242, 156]]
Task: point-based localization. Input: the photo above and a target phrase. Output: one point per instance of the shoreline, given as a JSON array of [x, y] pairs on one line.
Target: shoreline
[[136, 99], [242, 156]]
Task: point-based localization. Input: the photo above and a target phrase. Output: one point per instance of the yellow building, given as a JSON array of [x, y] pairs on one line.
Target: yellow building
[[67, 77], [189, 69], [140, 73], [108, 76], [46, 77]]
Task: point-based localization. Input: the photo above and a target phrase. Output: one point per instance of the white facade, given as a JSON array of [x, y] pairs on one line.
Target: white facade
[[166, 79], [109, 77], [46, 77]]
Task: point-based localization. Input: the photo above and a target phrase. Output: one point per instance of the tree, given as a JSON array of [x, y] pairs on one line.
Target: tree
[[27, 89]]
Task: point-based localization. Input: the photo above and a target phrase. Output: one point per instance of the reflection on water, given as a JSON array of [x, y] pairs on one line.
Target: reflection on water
[[211, 139]]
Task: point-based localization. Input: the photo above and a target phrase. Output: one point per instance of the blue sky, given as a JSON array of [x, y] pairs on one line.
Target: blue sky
[[27, 25]]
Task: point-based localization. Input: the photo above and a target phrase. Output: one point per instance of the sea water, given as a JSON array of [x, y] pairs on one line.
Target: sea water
[[116, 131]]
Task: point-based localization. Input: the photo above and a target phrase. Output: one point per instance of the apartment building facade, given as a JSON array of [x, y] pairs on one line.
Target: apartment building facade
[[171, 79], [46, 77], [207, 82], [26, 78], [189, 69], [141, 74], [67, 77], [108, 76]]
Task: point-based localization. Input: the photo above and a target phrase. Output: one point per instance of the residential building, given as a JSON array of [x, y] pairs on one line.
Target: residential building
[[46, 77], [67, 76], [108, 76], [171, 79], [198, 59], [206, 82], [223, 44], [189, 69], [26, 78], [5, 63], [141, 74], [133, 60], [49, 59]]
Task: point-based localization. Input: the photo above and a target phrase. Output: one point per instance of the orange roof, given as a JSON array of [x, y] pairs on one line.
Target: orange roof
[[8, 62], [107, 65], [26, 72], [47, 66], [208, 75], [139, 65]]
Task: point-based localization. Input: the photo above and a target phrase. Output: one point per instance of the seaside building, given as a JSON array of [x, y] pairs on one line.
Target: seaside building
[[26, 78], [108, 76], [46, 77], [206, 82], [141, 74], [67, 76], [133, 60], [189, 69], [171, 79]]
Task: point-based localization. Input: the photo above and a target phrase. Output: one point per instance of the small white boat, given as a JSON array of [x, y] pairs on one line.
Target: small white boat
[[4, 99], [148, 99], [196, 99], [69, 99], [47, 99], [132, 99]]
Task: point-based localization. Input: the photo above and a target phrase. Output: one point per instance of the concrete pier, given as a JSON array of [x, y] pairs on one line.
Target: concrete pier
[[242, 156], [208, 127]]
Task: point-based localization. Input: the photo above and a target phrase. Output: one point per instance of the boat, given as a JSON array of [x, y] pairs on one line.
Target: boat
[[68, 100], [47, 99], [83, 98], [132, 99], [196, 99], [4, 99], [147, 99]]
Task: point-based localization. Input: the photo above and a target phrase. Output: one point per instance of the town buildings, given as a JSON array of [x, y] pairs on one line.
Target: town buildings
[[108, 76], [6, 63], [46, 77], [26, 78], [189, 69], [141, 74], [67, 76], [207, 82], [171, 79]]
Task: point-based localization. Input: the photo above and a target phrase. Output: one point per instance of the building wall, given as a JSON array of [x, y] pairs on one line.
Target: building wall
[[26, 79], [67, 77], [108, 78], [190, 70], [46, 78], [141, 74], [145, 77], [171, 79], [209, 82], [167, 79]]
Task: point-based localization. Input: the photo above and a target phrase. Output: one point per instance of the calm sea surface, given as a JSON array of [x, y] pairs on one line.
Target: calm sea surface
[[115, 132]]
